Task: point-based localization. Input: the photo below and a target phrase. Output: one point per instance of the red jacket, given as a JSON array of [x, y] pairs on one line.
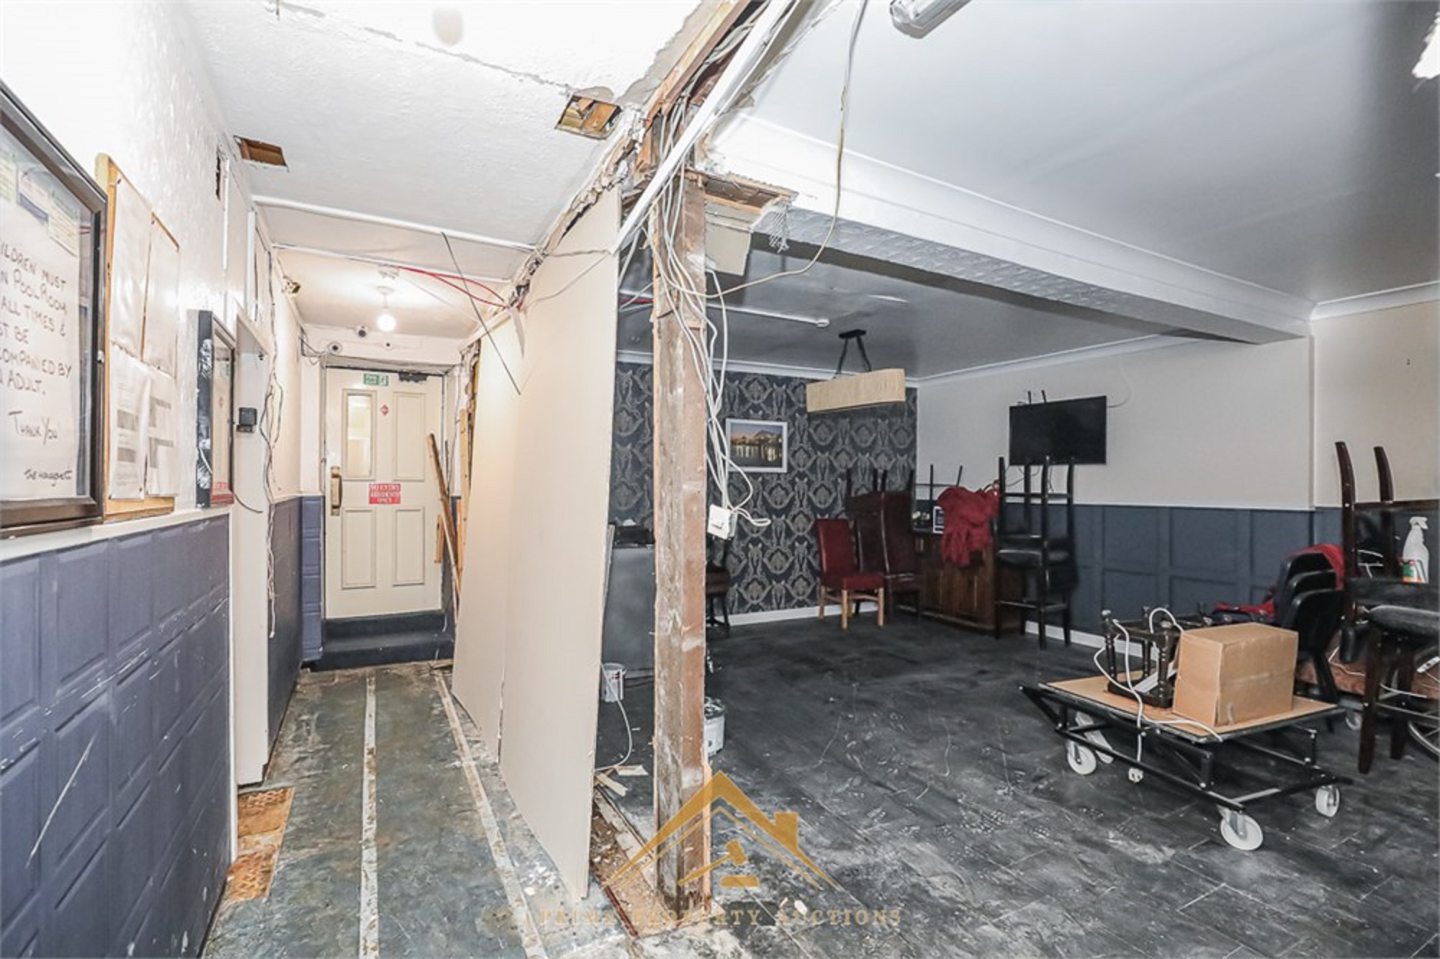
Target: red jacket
[[967, 522]]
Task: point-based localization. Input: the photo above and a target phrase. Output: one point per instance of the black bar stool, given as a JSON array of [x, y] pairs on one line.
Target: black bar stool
[[1045, 560]]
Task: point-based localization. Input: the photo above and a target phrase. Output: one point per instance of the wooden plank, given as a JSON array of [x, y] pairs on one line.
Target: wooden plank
[[447, 520], [680, 487], [1095, 689]]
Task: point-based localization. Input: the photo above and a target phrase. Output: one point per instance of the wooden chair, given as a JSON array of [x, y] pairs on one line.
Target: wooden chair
[[841, 579], [885, 542], [717, 587]]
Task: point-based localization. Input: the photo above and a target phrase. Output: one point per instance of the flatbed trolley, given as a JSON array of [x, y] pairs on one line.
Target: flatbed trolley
[[1187, 755]]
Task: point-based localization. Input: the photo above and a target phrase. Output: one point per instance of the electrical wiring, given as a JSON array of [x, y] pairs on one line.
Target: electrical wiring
[[447, 277], [839, 162], [1128, 684], [485, 326]]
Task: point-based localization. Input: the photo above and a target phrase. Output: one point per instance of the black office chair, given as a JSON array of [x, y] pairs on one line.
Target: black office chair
[[1315, 617], [1044, 558], [1297, 586]]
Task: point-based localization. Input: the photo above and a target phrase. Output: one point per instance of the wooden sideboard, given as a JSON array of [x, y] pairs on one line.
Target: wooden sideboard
[[965, 595]]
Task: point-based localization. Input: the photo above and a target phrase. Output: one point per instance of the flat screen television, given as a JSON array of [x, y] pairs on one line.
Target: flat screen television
[[1065, 431]]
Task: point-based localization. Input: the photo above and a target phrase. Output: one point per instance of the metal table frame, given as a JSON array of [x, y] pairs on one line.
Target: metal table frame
[[1191, 760]]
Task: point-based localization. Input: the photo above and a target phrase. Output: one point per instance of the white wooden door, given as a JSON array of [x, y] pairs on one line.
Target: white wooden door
[[383, 504]]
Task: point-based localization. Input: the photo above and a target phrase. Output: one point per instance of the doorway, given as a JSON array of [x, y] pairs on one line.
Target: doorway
[[381, 533]]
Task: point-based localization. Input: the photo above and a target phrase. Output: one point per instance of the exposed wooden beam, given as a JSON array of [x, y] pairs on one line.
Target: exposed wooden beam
[[679, 516]]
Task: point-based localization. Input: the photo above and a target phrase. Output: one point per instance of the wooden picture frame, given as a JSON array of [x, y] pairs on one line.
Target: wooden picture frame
[[118, 509], [51, 187]]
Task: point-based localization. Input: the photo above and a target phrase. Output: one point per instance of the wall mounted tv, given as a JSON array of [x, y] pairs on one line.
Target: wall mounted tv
[[1065, 430]]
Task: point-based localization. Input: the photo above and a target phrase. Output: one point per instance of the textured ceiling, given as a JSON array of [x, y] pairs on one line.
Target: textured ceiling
[[1284, 144], [927, 323], [434, 114]]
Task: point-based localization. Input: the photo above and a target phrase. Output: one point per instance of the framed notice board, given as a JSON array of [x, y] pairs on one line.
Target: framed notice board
[[142, 323], [53, 229]]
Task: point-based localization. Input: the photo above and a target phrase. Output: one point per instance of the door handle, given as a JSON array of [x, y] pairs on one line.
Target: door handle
[[337, 491]]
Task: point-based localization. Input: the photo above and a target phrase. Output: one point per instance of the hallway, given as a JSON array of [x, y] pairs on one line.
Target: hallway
[[436, 889]]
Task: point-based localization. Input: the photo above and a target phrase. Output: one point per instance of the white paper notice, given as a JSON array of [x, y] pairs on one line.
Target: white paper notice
[[129, 416], [162, 298], [161, 473], [40, 377], [129, 264]]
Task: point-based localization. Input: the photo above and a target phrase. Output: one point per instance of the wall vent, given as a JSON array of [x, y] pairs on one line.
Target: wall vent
[[258, 151]]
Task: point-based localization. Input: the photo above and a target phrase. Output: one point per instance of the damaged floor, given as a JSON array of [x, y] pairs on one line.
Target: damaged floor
[[925, 783], [926, 787]]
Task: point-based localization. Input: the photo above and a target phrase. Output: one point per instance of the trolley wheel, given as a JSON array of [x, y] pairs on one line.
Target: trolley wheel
[[1136, 774], [1353, 719], [1327, 800], [1240, 831], [1081, 758]]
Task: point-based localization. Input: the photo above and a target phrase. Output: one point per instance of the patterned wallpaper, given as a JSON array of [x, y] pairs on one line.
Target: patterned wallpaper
[[775, 567]]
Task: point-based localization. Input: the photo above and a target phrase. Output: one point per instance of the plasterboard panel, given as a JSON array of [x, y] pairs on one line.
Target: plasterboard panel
[[484, 612], [527, 642], [557, 576]]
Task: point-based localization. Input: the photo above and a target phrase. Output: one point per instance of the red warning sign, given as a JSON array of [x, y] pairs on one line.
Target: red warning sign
[[384, 494]]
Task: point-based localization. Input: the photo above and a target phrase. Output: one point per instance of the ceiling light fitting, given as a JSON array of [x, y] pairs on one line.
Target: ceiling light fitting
[[385, 322], [1428, 66], [871, 388], [916, 18]]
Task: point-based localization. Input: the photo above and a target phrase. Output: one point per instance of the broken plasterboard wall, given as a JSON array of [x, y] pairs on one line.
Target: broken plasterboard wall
[[480, 638], [540, 487]]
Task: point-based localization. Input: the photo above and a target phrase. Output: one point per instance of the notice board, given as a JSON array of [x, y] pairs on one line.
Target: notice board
[[142, 268]]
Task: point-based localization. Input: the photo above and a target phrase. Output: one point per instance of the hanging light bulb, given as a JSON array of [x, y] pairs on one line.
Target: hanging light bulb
[[385, 322]]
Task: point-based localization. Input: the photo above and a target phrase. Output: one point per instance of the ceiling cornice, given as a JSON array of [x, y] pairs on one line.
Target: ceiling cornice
[[1379, 300]]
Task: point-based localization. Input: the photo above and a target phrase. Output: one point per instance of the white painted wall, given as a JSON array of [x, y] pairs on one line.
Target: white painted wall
[[1377, 381], [1219, 424], [125, 79], [1193, 424]]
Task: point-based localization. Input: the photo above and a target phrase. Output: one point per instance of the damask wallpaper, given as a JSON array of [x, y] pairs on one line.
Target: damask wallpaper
[[773, 568]]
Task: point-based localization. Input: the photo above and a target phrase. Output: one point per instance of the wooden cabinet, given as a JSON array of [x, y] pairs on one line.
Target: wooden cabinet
[[964, 595]]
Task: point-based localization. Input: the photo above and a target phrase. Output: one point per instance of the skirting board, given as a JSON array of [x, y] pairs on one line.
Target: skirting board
[[799, 612]]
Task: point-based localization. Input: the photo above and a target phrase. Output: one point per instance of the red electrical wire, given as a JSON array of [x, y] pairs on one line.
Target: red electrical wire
[[446, 278]]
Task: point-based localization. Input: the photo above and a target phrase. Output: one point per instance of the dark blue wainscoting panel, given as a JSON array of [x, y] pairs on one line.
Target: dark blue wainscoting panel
[[312, 558], [114, 744], [285, 638], [1179, 557]]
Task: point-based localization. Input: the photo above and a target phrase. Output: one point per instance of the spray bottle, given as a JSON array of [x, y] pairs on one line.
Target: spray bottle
[[1415, 558]]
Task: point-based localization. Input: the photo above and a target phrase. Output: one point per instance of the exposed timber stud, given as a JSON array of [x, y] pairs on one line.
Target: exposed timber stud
[[680, 490]]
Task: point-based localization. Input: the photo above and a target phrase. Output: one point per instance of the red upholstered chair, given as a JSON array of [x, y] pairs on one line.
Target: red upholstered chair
[[840, 576]]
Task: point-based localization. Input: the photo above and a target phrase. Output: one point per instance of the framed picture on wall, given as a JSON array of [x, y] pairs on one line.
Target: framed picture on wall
[[52, 296], [758, 446]]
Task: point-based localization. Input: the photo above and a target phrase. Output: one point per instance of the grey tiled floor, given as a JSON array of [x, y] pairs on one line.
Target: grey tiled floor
[[924, 783]]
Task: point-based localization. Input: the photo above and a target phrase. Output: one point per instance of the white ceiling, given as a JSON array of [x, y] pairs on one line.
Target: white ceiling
[[434, 114], [1282, 144], [927, 324]]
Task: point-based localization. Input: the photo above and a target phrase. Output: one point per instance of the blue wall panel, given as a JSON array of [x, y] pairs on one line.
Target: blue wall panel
[[114, 744], [1182, 558], [312, 559], [286, 629]]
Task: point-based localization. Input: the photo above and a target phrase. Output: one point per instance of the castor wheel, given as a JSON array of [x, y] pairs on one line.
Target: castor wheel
[[1240, 831], [1353, 719], [1327, 800], [1136, 774], [1081, 758]]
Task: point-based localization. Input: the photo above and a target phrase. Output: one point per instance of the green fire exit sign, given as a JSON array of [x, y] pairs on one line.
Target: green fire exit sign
[[377, 379]]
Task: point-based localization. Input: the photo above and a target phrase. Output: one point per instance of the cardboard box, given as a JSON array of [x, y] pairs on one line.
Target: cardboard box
[[1235, 674]]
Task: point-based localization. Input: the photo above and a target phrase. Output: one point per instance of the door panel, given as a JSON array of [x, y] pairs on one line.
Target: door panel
[[381, 519], [410, 559], [357, 542], [411, 448]]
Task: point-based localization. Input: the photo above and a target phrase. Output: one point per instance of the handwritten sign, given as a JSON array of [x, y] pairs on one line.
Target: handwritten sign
[[40, 297], [384, 494]]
